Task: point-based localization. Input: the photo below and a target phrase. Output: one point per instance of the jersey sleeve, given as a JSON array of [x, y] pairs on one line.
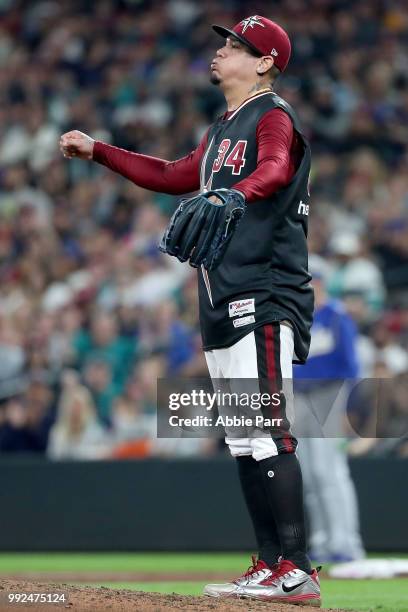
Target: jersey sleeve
[[346, 341], [173, 177], [276, 160]]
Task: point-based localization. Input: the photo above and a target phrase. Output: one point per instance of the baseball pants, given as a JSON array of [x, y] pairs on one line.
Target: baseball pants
[[330, 495], [264, 355]]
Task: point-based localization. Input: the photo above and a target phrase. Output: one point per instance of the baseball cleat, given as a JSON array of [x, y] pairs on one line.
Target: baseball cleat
[[288, 584], [255, 574]]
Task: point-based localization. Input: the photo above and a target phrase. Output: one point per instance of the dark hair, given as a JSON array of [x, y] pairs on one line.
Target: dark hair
[[273, 72]]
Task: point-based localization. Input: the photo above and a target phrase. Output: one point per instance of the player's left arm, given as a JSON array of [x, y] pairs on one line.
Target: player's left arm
[[277, 157]]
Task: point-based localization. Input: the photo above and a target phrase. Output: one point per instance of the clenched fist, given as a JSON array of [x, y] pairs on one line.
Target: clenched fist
[[77, 144]]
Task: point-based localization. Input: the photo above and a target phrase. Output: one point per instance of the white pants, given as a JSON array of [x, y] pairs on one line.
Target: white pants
[[265, 353]]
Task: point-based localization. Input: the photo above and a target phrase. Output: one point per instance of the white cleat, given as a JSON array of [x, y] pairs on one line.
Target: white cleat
[[258, 572], [288, 584]]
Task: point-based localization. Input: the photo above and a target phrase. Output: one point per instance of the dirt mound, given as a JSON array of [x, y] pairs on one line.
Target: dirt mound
[[110, 600]]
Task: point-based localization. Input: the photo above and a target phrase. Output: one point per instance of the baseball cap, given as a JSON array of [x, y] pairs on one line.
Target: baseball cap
[[345, 243], [262, 36]]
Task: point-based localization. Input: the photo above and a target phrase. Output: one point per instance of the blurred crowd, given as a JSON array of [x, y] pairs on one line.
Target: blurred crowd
[[91, 314]]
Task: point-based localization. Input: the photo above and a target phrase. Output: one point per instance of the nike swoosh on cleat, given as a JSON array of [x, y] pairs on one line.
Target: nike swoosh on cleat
[[288, 589]]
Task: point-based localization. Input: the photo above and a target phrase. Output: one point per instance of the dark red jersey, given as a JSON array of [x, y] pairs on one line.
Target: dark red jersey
[[278, 146], [258, 149]]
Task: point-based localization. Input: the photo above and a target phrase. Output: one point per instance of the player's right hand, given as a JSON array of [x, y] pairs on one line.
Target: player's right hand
[[77, 144]]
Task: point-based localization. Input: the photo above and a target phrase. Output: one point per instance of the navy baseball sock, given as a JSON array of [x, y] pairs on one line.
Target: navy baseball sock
[[259, 509], [282, 479]]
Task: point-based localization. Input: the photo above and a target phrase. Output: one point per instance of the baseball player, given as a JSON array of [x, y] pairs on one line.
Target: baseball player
[[321, 399], [246, 234]]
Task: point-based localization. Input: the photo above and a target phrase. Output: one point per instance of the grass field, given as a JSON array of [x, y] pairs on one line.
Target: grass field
[[375, 595]]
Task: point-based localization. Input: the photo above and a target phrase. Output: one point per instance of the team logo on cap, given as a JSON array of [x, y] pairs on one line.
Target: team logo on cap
[[251, 22]]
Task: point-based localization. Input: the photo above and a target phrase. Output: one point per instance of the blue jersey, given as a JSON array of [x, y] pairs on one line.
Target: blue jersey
[[332, 352]]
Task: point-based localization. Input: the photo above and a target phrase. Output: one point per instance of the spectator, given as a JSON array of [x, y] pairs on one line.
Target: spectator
[[132, 430], [98, 379], [76, 433], [104, 342], [355, 274], [26, 420]]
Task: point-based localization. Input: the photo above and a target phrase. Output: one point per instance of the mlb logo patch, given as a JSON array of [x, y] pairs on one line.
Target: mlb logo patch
[[241, 307]]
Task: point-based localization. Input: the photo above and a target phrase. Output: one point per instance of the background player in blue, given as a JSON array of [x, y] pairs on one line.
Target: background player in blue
[[256, 307], [320, 398]]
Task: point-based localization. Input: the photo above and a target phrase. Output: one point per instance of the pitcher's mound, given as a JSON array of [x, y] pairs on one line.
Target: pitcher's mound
[[103, 599]]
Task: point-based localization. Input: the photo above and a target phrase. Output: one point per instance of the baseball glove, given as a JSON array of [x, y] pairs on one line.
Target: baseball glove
[[200, 230]]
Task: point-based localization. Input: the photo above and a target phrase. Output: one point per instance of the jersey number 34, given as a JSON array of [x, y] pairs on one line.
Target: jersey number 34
[[236, 157]]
